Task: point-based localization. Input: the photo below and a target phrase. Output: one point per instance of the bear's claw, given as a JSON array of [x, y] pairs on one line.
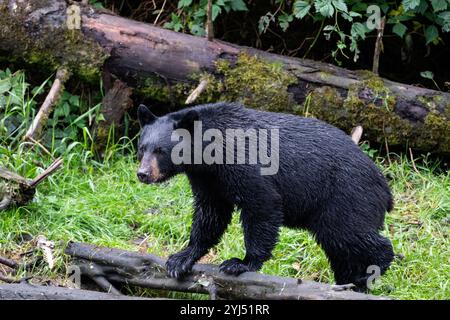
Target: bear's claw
[[234, 266], [179, 264]]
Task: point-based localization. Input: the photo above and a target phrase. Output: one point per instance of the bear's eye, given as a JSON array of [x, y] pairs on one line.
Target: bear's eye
[[158, 150]]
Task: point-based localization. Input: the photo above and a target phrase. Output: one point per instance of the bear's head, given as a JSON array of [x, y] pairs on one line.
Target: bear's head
[[156, 143]]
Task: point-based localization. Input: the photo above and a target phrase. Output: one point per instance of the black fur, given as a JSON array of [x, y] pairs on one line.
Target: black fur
[[325, 184]]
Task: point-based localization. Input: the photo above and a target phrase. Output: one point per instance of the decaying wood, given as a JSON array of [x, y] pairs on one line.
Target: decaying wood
[[26, 291], [16, 190], [378, 46], [115, 104], [9, 263], [209, 22], [144, 55], [148, 271], [197, 91], [47, 172], [47, 107], [356, 134]]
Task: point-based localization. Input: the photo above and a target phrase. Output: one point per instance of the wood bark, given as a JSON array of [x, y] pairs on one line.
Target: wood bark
[[16, 190], [147, 270], [143, 55], [25, 291]]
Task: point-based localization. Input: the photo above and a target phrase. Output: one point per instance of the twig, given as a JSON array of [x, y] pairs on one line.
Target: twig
[[413, 162], [5, 202], [40, 146], [52, 168], [378, 46], [9, 263], [197, 91], [106, 286], [209, 22], [160, 11], [357, 134], [49, 103], [12, 280]]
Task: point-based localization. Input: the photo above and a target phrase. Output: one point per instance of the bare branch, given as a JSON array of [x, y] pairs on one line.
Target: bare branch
[[197, 91], [357, 134], [49, 103], [148, 271], [378, 46]]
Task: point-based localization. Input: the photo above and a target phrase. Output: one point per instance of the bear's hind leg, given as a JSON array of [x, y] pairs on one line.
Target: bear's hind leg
[[352, 252]]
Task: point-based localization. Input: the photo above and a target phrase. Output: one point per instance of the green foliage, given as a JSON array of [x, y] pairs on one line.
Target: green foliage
[[193, 14], [346, 21], [104, 204], [67, 130]]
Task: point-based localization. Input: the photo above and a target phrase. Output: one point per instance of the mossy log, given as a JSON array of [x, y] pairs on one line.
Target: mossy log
[[167, 66]]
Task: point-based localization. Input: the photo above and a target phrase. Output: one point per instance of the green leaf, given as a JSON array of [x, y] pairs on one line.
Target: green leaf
[[5, 85], [410, 4], [431, 34], [439, 5], [184, 3], [445, 16], [216, 10], [238, 5], [284, 21], [301, 9], [427, 75], [399, 29], [340, 5], [358, 30], [75, 101], [324, 7], [360, 6], [263, 23]]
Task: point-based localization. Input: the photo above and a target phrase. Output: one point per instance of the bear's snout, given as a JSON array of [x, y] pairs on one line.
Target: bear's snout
[[143, 176]]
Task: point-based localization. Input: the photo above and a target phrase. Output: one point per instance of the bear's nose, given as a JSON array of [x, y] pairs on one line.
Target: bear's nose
[[143, 176]]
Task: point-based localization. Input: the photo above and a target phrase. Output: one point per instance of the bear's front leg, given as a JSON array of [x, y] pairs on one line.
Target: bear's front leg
[[261, 219], [211, 217]]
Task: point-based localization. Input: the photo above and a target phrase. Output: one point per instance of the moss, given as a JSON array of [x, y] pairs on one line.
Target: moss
[[435, 133], [255, 83], [158, 89], [377, 119], [251, 81], [52, 45]]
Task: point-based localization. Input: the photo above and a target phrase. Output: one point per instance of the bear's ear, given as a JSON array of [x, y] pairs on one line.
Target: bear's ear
[[186, 120], [145, 116]]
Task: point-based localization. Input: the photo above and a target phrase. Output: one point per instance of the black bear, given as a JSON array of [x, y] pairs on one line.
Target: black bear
[[321, 182]]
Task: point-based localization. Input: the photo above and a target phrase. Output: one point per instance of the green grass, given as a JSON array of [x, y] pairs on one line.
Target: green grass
[[103, 203], [106, 205]]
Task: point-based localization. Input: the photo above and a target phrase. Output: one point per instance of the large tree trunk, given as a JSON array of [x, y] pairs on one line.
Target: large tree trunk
[[167, 66]]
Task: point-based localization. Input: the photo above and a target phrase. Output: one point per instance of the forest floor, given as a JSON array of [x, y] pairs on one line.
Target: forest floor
[[104, 204]]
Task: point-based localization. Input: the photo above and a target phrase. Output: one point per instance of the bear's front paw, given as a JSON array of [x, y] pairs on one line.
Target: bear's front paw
[[234, 267], [179, 264]]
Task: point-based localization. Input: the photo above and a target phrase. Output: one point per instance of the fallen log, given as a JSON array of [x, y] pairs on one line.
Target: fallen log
[[25, 291], [167, 66], [147, 270]]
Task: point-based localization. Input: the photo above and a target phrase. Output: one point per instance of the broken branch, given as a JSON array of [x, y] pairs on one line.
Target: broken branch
[[148, 271], [49, 103]]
